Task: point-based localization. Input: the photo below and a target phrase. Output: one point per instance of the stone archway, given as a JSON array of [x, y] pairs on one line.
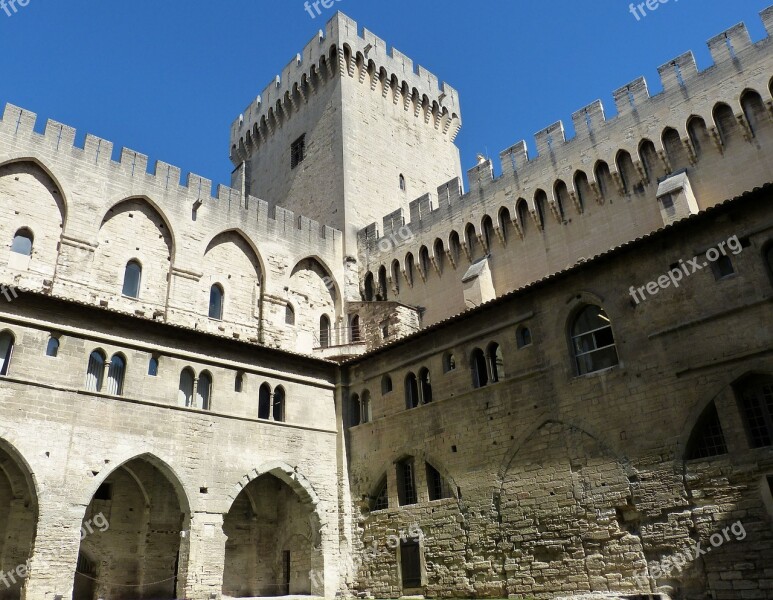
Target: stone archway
[[18, 521], [130, 536], [273, 546]]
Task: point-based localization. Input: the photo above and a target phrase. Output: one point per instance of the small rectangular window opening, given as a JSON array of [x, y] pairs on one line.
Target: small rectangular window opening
[[297, 151]]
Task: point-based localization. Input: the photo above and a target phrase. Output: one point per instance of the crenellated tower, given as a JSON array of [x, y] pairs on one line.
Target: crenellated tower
[[348, 131]]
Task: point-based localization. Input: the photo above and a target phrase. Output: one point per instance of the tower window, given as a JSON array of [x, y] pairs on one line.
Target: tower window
[[22, 242], [216, 297], [406, 484], [593, 341], [153, 366], [523, 337], [402, 182], [386, 384], [131, 279], [298, 151], [53, 347]]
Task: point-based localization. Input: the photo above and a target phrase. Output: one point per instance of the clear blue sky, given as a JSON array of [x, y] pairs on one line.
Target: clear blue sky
[[167, 78]]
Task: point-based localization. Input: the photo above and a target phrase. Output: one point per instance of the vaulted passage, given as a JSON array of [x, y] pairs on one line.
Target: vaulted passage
[[18, 521], [130, 537], [271, 542]]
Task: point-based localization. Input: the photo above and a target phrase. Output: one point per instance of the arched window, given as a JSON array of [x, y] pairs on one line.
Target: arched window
[[471, 239], [396, 275], [406, 483], [725, 121], [706, 439], [628, 174], [699, 135], [402, 183], [593, 342], [604, 179], [324, 331], [496, 362], [365, 416], [289, 314], [115, 375], [382, 284], [409, 268], [216, 298], [440, 255], [454, 246], [95, 372], [279, 404], [204, 391], [675, 149], [653, 166], [185, 391], [264, 402], [488, 231], [540, 203], [424, 260], [755, 398], [355, 410], [368, 292], [356, 336], [6, 351], [411, 391], [239, 383], [449, 362], [479, 370], [505, 223], [22, 242], [132, 277], [437, 486], [425, 387], [52, 349], [386, 385], [754, 110], [561, 194], [523, 337], [582, 188], [153, 366], [522, 209]]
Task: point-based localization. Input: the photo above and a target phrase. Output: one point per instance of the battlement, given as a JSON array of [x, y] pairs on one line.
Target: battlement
[[340, 47], [250, 213], [639, 116]]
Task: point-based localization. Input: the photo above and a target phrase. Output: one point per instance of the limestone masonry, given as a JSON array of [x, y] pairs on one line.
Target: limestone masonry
[[347, 376]]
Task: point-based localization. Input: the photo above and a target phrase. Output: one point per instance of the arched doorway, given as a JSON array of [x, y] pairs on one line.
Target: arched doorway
[[273, 542], [130, 535], [18, 518]]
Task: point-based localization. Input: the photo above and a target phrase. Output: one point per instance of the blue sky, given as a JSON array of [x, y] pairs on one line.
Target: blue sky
[[167, 78]]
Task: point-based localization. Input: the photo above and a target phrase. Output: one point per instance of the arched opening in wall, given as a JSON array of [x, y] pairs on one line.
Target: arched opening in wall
[[264, 402], [40, 207], [754, 394], [289, 314], [653, 166], [582, 189], [449, 362], [279, 408], [604, 179], [324, 332], [132, 278], [386, 385], [354, 325], [140, 496], [368, 293], [185, 389], [311, 278], [437, 485], [424, 261], [487, 226], [402, 184], [440, 255], [23, 241], [396, 275], [522, 210], [724, 119], [471, 239], [755, 111], [216, 302], [496, 362], [561, 194], [541, 205], [675, 150], [52, 348], [505, 223], [478, 368], [382, 284], [18, 518], [365, 407], [699, 135], [272, 541], [425, 387], [411, 391], [523, 337], [95, 371], [454, 246], [409, 264], [593, 342], [204, 391], [707, 438], [628, 173], [115, 375]]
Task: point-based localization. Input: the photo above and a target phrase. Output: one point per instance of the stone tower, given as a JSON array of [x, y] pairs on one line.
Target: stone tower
[[348, 132]]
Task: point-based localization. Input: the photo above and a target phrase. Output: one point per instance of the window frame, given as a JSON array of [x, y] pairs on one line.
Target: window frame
[[297, 151], [578, 354], [133, 263], [27, 234], [221, 302]]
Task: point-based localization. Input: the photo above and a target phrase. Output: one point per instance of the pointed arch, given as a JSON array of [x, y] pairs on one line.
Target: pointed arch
[[627, 172], [754, 110], [699, 135], [725, 122], [582, 189], [562, 199], [675, 150], [653, 166]]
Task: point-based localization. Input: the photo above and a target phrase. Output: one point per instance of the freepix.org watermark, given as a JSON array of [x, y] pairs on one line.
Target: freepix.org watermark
[[678, 561], [693, 265], [308, 6], [11, 7], [641, 9]]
